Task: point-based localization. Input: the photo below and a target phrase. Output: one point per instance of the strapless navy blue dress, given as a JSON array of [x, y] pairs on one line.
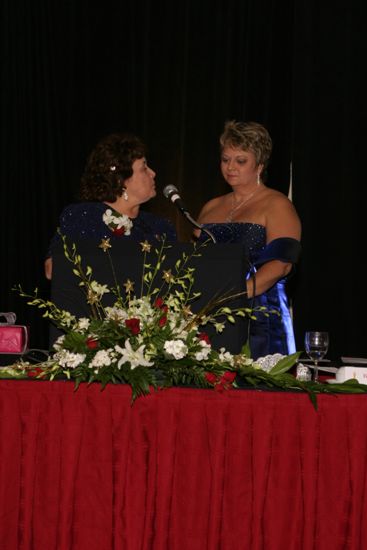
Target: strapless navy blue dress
[[272, 334], [84, 221]]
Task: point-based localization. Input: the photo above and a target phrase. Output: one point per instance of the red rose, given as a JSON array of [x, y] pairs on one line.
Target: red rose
[[162, 321], [228, 377], [221, 383], [158, 302], [133, 325], [211, 377], [34, 372], [119, 231], [204, 337], [92, 343]]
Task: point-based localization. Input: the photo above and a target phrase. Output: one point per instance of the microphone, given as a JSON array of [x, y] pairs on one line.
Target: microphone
[[171, 193]]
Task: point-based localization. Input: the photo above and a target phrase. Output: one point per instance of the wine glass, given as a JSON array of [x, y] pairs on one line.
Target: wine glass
[[316, 346]]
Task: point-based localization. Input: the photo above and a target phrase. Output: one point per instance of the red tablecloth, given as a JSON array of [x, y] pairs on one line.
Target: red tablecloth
[[182, 469]]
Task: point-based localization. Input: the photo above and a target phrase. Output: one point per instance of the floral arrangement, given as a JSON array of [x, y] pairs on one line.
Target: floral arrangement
[[152, 340], [120, 224]]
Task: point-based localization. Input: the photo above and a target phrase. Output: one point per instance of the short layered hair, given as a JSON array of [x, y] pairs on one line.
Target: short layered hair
[[248, 136]]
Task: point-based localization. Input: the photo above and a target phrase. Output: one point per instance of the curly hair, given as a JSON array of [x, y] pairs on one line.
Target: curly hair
[[248, 136], [109, 165]]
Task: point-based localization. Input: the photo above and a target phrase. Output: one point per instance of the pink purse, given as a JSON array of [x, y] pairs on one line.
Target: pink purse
[[13, 338]]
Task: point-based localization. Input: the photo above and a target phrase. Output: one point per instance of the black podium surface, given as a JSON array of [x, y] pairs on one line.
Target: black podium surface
[[220, 269]]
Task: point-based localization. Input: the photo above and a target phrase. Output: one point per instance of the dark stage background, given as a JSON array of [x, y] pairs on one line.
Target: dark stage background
[[173, 72]]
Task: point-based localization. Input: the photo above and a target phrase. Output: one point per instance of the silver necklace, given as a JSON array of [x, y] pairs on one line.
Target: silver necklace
[[235, 206]]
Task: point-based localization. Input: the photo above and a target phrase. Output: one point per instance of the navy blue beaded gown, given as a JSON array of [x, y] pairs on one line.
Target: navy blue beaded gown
[[272, 334], [84, 220]]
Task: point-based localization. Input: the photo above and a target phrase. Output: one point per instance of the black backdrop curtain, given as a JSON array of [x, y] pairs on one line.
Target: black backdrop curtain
[[173, 73]]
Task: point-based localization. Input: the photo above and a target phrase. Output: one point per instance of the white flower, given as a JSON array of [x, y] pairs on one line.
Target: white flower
[[67, 319], [136, 358], [116, 313], [246, 361], [141, 308], [116, 222], [68, 359], [177, 348], [204, 352], [219, 327], [226, 356], [83, 323], [177, 325], [98, 289], [102, 358], [58, 343]]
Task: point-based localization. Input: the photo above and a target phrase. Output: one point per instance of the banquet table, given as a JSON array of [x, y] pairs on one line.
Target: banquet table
[[180, 469]]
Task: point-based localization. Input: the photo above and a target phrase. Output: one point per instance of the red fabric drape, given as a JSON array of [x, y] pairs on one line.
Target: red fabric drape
[[182, 469]]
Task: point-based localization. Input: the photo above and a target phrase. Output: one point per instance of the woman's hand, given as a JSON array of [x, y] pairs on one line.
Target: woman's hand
[[48, 268]]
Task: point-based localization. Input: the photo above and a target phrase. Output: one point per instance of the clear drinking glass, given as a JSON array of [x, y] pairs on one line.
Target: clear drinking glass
[[316, 346]]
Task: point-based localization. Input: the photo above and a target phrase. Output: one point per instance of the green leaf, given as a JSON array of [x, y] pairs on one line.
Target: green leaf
[[313, 398], [245, 350], [285, 364]]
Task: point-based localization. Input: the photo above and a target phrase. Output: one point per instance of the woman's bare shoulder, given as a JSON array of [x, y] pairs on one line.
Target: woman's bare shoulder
[[281, 217], [275, 194], [276, 199]]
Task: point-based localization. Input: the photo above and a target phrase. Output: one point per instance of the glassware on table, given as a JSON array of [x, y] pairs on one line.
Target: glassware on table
[[303, 373], [316, 347]]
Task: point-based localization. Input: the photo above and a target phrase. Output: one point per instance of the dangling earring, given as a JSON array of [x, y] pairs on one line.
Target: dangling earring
[[125, 195], [258, 178]]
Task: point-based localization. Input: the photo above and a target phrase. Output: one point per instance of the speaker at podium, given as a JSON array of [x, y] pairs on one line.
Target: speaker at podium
[[219, 269]]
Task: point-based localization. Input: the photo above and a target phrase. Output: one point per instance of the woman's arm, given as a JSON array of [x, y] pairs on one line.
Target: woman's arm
[[281, 220], [266, 277]]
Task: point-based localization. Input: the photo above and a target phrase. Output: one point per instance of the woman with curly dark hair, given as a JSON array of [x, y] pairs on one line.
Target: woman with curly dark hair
[[115, 183]]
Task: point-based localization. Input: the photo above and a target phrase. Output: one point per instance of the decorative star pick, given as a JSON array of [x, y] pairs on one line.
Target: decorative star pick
[[145, 246], [129, 286], [105, 245], [167, 276]]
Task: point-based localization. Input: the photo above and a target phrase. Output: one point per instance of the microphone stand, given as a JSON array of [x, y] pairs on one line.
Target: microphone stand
[[171, 193], [198, 225]]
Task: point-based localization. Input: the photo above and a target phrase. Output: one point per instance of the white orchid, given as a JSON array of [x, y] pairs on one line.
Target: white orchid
[[219, 327], [67, 319], [82, 324], [204, 353], [226, 356], [142, 308], [59, 342], [99, 289]]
